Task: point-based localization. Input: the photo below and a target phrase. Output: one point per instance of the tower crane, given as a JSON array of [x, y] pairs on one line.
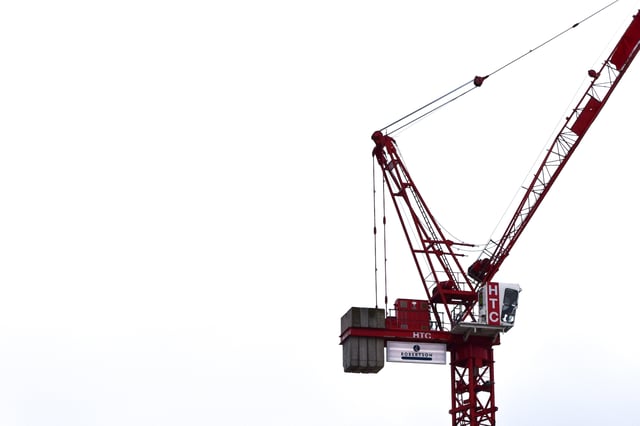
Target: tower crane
[[465, 311]]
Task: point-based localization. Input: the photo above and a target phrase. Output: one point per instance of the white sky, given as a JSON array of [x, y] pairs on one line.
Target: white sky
[[187, 212]]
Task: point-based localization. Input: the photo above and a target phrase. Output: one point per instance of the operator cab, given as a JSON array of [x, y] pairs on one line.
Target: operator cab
[[498, 303]]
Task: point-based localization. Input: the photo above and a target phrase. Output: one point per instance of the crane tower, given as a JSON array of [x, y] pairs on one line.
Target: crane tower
[[465, 312]]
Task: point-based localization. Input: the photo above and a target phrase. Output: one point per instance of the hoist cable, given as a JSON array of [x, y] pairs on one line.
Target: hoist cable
[[384, 241], [375, 235], [431, 110], [477, 81], [375, 239], [552, 38], [423, 107]]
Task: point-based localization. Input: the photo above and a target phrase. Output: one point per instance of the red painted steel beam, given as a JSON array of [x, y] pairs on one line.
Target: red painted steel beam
[[563, 146]]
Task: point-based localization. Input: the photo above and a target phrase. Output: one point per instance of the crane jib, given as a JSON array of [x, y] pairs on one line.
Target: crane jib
[[621, 57], [627, 45], [567, 140]]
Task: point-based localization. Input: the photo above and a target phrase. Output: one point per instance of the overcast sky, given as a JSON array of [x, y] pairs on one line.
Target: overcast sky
[[186, 210]]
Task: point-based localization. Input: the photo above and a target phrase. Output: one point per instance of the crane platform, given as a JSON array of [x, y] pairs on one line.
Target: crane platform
[[467, 329]]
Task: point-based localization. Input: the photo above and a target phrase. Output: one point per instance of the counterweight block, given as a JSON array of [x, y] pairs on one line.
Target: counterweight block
[[362, 354]]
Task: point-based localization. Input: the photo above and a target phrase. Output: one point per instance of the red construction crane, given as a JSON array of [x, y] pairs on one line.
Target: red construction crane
[[465, 311]]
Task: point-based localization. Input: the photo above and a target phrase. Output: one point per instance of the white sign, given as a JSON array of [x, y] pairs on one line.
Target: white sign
[[423, 353]]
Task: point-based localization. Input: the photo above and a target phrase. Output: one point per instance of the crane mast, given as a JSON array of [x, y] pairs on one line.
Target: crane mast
[[465, 312]]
